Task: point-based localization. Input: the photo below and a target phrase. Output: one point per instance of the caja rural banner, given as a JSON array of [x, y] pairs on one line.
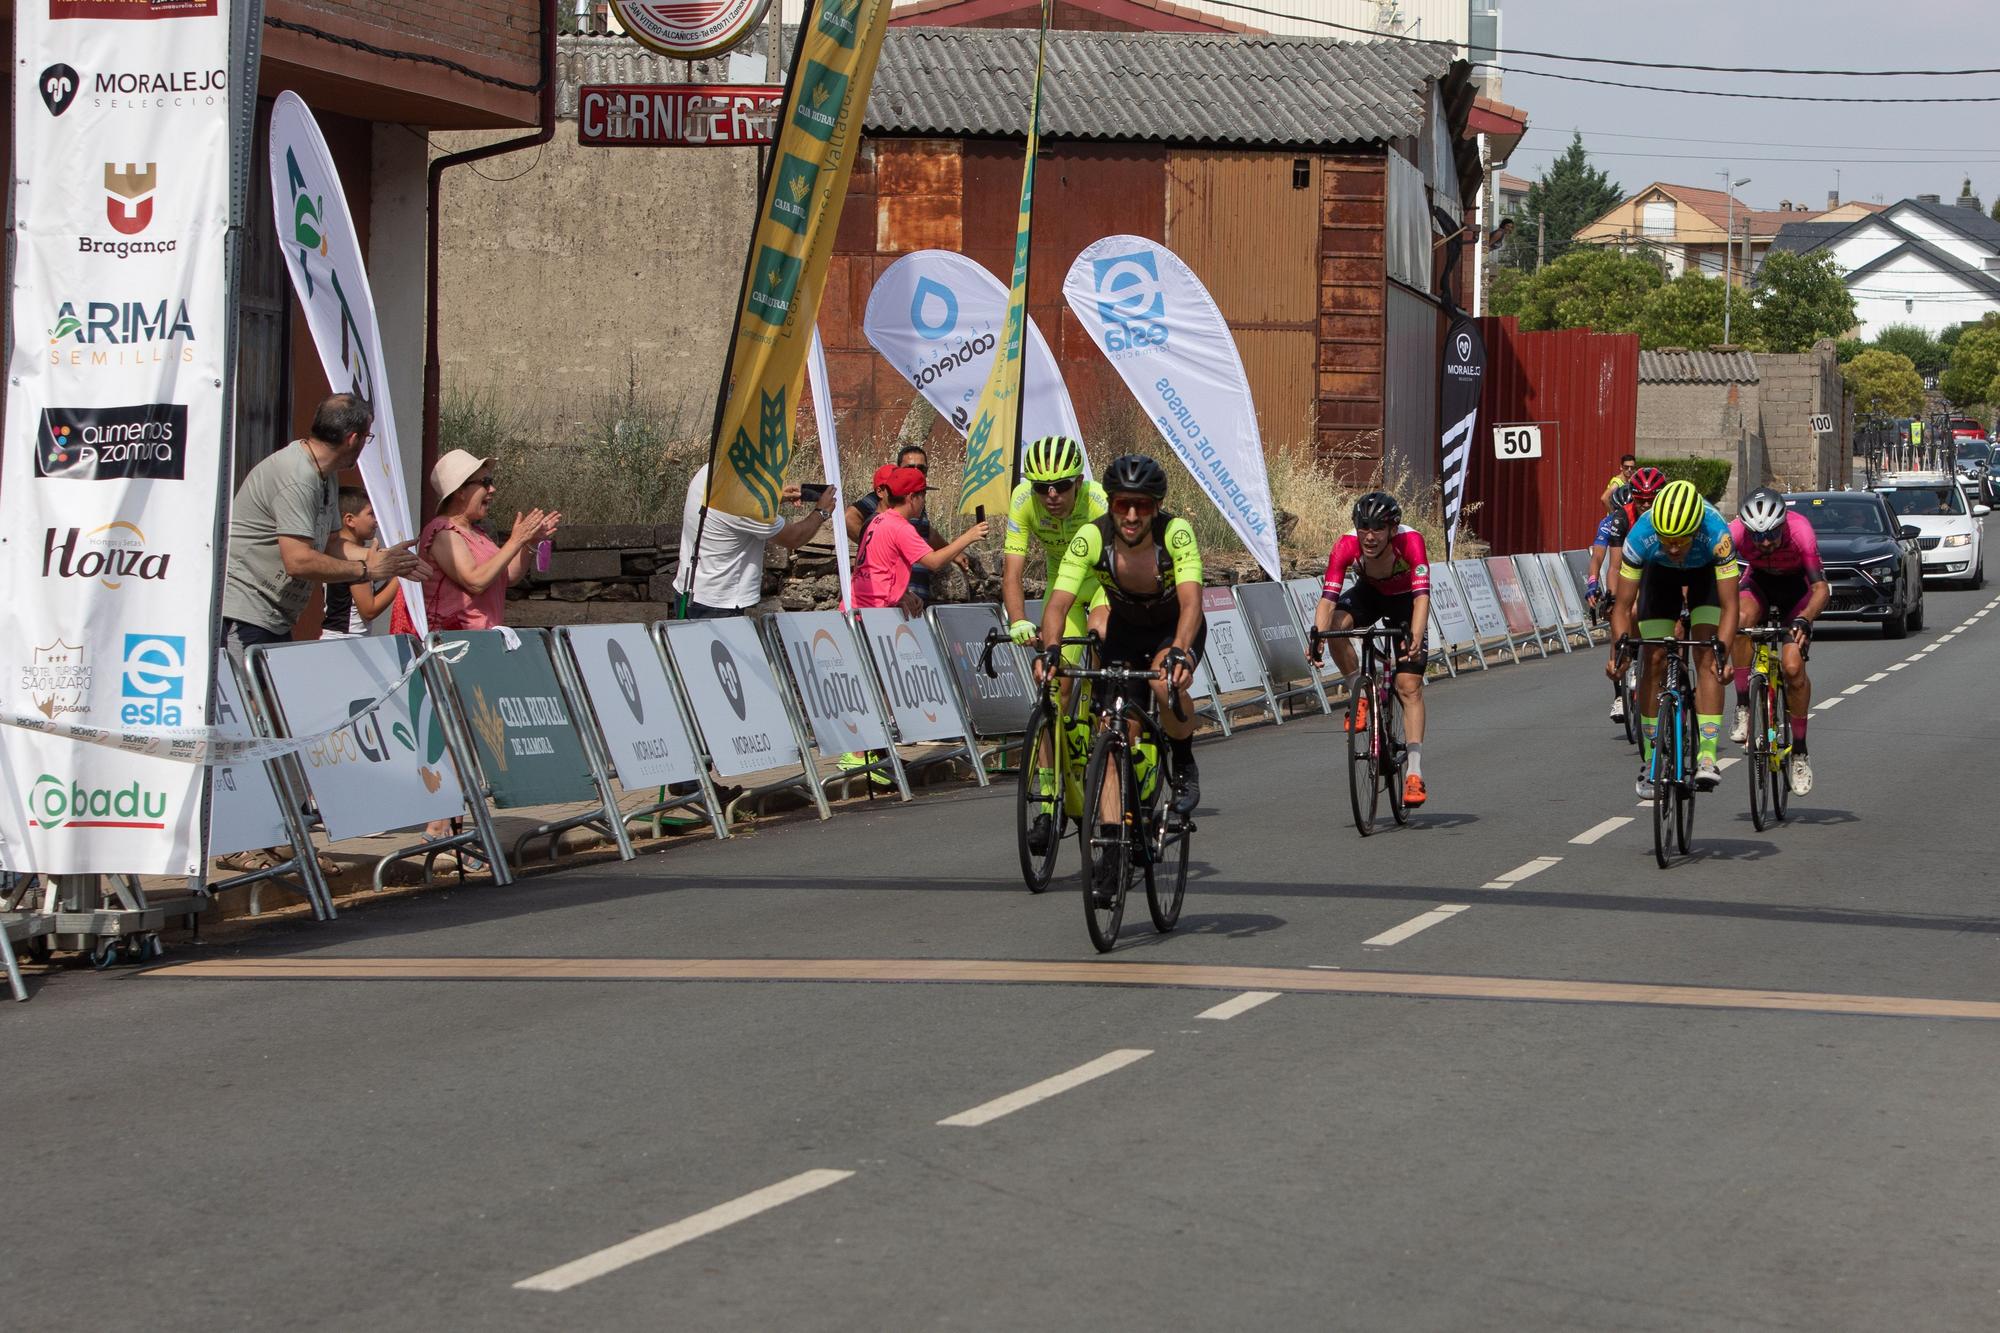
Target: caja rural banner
[[786, 269], [1156, 323], [323, 255], [116, 438], [936, 317]]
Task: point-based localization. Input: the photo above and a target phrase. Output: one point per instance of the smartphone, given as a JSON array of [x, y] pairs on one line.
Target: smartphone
[[810, 491]]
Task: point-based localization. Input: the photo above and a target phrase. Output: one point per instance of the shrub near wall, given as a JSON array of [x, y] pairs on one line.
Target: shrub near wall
[[1709, 475]]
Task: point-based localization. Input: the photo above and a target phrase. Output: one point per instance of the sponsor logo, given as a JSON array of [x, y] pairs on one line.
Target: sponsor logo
[[688, 29], [729, 678], [58, 85], [628, 681], [837, 20], [144, 440], [120, 333], [128, 196], [111, 554], [777, 282], [930, 291], [1464, 344], [1130, 302], [55, 803], [822, 94], [913, 682], [516, 712], [967, 351], [160, 88], [832, 690], [791, 201], [58, 679], [131, 9], [153, 680]]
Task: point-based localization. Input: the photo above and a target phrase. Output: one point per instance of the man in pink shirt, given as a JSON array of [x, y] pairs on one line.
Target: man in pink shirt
[[891, 544]]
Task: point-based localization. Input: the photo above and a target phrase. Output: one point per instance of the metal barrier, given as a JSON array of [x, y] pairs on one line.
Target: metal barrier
[[995, 706], [257, 806], [1513, 601], [1482, 603], [837, 691], [912, 680], [1569, 598], [1451, 621], [1542, 601], [1273, 619], [745, 722]]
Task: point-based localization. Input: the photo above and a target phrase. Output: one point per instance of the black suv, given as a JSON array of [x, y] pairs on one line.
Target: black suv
[[1874, 567]]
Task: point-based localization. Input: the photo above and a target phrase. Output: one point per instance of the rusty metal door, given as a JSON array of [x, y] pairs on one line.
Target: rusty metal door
[[1247, 223]]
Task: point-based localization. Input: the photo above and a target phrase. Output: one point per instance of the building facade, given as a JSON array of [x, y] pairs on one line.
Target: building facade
[[1919, 261]]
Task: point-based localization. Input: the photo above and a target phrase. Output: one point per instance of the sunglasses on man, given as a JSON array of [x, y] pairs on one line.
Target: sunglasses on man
[[1141, 506], [1063, 487]]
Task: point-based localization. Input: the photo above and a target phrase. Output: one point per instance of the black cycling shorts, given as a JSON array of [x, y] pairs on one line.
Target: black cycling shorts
[[1665, 590], [1135, 645], [1396, 609]]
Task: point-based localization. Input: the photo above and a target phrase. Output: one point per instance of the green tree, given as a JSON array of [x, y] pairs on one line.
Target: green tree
[[1686, 312], [1994, 212], [1846, 349], [1588, 286], [1797, 300], [1884, 384], [1924, 351], [1570, 195], [1975, 362], [1504, 297]]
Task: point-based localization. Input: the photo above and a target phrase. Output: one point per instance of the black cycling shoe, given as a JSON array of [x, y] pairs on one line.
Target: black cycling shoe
[[1187, 788], [1040, 833]]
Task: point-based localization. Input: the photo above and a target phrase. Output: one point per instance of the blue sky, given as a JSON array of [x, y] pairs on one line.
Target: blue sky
[[1878, 151]]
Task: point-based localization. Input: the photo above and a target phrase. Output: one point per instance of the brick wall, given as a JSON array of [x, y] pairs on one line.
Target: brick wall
[[1795, 388], [505, 31], [1353, 286], [1705, 421]]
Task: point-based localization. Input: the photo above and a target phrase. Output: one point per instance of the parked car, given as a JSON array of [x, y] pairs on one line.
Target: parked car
[[1964, 428], [1975, 469], [1874, 567], [1949, 531]]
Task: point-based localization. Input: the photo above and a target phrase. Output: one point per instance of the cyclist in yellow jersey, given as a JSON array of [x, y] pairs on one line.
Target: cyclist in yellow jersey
[[1147, 606], [1053, 500]]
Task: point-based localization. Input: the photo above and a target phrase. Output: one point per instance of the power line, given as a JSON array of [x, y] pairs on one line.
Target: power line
[[1759, 143], [1511, 71], [1850, 161]]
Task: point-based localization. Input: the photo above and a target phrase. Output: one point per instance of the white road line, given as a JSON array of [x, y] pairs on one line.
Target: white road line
[[1732, 759], [1880, 675], [1898, 666], [1242, 1004], [1930, 647], [1592, 834], [1415, 924], [987, 1112], [1825, 704], [1323, 967], [1521, 872], [1855, 689], [665, 1238]]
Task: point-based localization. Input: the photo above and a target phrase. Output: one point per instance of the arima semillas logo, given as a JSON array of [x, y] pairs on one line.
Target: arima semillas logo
[[1130, 302], [153, 680]]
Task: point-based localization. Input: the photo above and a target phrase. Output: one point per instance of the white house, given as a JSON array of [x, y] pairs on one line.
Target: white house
[[1919, 261]]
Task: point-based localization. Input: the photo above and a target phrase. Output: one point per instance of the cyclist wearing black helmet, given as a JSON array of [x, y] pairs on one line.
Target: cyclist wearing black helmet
[[1391, 583], [1147, 606]]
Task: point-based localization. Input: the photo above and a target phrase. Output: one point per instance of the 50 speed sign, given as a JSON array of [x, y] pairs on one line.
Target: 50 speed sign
[[1517, 441]]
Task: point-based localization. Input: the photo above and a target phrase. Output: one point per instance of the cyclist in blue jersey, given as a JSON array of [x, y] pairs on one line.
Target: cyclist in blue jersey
[[1680, 555], [1629, 501]]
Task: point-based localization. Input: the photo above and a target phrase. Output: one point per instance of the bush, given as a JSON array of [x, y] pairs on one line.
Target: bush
[[1709, 475]]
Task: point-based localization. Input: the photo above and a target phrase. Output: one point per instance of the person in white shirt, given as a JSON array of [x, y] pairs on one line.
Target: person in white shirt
[[730, 579]]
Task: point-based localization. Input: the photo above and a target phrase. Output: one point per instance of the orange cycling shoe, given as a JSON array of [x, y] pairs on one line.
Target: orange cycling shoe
[[1413, 790], [1357, 713]]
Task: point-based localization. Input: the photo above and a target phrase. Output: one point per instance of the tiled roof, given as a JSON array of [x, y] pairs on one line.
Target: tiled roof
[[1969, 222], [1806, 237], [1512, 184], [1154, 87], [905, 15], [1801, 238], [1670, 365]]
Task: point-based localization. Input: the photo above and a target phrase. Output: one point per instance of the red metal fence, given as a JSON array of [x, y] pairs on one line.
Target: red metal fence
[[1583, 388]]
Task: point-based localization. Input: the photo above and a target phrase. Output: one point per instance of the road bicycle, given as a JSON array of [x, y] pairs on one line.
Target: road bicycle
[[1062, 803], [1628, 690], [1375, 755], [1769, 757], [1676, 744]]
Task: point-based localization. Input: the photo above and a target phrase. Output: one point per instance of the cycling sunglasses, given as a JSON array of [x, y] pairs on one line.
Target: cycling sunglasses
[[1063, 487], [1374, 527], [1134, 504]]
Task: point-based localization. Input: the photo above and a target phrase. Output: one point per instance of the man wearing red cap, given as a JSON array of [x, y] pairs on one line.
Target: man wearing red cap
[[891, 544]]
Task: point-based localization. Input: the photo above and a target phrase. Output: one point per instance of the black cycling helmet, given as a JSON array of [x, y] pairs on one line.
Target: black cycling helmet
[[1377, 509], [1621, 497], [1135, 474]]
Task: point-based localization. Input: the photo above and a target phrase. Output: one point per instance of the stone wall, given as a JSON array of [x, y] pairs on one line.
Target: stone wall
[[1793, 389], [1703, 421]]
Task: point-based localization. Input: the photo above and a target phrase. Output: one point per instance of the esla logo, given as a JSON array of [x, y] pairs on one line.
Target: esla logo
[[1130, 302], [153, 680]]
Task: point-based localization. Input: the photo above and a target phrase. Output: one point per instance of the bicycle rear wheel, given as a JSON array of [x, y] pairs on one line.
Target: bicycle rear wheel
[[1394, 759], [1363, 793], [1690, 748], [1780, 775], [1628, 686], [1666, 791], [1038, 868], [1109, 763], [1758, 756]]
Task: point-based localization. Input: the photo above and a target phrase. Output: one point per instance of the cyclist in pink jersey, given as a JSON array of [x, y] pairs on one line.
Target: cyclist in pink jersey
[[1392, 583], [1781, 576]]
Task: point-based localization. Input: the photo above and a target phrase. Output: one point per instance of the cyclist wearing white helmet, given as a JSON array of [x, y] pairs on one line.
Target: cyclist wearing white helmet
[[1783, 577]]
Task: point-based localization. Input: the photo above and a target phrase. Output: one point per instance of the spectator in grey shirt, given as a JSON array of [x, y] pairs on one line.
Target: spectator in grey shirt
[[284, 529]]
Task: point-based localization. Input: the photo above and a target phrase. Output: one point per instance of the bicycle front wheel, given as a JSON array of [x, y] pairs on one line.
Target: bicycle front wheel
[[1038, 800], [1363, 792], [1758, 759], [1690, 749], [1166, 872], [1666, 788], [1392, 759], [1780, 776], [1112, 851]]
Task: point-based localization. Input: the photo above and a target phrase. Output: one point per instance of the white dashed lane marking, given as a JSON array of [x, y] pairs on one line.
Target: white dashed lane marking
[[1416, 923], [987, 1112], [1521, 872], [1592, 834], [1242, 1004]]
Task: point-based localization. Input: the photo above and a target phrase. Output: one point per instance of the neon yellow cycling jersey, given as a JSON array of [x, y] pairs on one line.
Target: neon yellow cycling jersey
[[1026, 517], [1090, 558]]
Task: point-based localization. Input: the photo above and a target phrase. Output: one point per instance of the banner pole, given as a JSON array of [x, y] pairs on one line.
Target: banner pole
[[1028, 262]]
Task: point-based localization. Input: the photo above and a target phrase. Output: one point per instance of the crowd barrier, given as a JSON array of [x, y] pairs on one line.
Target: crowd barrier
[[499, 719]]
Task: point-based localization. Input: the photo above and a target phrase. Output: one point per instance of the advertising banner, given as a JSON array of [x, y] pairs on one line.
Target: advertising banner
[[634, 702], [1267, 610], [387, 769], [1541, 599], [323, 256], [1567, 597], [243, 811], [519, 720], [734, 696], [117, 444], [1230, 658], [785, 269], [1449, 614], [995, 436], [825, 662], [1463, 368], [829, 461], [1514, 607], [999, 703], [1306, 597], [911, 666], [936, 317], [1160, 329]]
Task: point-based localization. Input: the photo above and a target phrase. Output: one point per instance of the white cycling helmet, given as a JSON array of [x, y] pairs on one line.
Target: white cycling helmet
[[1762, 511]]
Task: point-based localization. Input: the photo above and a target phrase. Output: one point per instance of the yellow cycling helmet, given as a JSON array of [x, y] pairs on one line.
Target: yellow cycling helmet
[[1052, 458], [1678, 510]]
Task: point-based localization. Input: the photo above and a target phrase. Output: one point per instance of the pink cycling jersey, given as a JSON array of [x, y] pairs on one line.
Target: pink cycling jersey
[[1796, 553], [1409, 566]]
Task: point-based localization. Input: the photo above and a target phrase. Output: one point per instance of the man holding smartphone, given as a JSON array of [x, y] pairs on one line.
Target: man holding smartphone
[[865, 508], [730, 579]]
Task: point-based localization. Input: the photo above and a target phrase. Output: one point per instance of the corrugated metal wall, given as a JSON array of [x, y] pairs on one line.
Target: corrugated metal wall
[[1410, 390], [1587, 385], [1248, 225]]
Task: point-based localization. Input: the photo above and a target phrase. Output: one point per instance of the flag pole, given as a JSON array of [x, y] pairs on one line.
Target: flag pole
[[1028, 267]]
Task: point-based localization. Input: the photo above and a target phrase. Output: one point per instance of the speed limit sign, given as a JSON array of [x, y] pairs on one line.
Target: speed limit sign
[[1517, 441]]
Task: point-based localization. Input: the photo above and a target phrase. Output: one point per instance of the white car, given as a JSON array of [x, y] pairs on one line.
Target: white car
[[1948, 529]]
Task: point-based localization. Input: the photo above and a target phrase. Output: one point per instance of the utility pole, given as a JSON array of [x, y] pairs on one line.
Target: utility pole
[[1541, 241], [1729, 249]]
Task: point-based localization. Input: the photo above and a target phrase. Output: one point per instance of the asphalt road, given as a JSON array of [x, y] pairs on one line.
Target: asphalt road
[[1758, 1091]]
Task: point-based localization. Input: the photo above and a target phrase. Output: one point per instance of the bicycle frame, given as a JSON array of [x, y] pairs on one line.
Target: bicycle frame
[[1384, 757]]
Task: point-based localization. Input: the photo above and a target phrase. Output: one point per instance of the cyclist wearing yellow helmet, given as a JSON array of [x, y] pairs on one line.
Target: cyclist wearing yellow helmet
[[1678, 554]]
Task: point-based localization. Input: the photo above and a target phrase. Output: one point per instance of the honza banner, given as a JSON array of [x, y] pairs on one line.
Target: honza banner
[[116, 436]]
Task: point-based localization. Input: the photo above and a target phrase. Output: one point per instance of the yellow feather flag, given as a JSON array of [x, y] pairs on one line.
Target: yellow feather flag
[[995, 436], [832, 71]]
